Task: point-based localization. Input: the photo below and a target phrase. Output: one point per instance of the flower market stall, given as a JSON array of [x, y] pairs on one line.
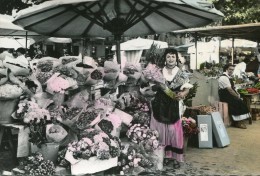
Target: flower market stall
[[67, 128]]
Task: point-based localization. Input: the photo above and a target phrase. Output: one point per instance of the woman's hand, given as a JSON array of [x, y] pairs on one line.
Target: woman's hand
[[182, 94]]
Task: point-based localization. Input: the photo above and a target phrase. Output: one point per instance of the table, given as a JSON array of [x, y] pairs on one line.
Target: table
[[23, 138]]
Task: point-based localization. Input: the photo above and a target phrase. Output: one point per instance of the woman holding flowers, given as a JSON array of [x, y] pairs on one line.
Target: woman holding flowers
[[168, 108]]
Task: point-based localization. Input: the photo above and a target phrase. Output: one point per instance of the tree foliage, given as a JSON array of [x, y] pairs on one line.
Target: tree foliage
[[239, 11], [7, 6]]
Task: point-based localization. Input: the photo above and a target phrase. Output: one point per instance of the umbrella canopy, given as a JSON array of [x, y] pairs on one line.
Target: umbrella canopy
[[140, 44], [7, 28], [103, 18], [238, 43], [6, 42], [59, 40]]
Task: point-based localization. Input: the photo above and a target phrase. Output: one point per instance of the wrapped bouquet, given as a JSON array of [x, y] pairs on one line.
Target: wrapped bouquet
[[131, 161], [10, 91], [138, 133], [111, 124], [189, 126], [55, 133], [153, 74], [44, 68], [70, 60], [111, 70], [60, 83], [133, 72], [30, 111], [94, 143], [88, 118]]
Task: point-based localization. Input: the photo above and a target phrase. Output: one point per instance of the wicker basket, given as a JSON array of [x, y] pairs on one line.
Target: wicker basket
[[7, 107]]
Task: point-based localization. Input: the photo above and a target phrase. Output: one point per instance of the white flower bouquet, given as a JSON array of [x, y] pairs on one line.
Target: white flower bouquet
[[30, 111], [10, 91]]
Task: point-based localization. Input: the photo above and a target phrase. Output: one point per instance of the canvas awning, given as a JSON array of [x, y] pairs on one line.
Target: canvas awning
[[249, 31]]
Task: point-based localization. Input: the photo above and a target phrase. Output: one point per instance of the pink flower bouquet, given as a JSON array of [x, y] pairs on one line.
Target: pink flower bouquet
[[152, 73], [189, 126]]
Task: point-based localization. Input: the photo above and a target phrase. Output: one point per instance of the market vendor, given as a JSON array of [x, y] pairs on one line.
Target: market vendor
[[227, 93], [167, 109]]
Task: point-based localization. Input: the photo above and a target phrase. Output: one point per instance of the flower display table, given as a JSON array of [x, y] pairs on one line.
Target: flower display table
[[90, 166]]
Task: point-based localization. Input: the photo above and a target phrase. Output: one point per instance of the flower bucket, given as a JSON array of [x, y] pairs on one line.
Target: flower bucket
[[158, 156], [185, 144], [7, 107], [48, 150]]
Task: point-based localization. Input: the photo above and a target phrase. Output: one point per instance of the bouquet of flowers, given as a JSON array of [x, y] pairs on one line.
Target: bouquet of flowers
[[133, 72], [128, 102], [70, 60], [44, 68], [141, 117], [153, 74], [144, 135], [130, 159], [30, 111], [95, 76], [36, 165], [10, 91], [111, 124], [95, 143], [111, 70], [88, 118], [70, 112], [189, 126]]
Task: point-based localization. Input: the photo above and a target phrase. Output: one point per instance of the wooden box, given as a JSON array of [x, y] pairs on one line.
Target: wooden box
[[222, 108]]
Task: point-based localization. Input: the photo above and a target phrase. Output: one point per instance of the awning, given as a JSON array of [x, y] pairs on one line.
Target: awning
[[249, 31]]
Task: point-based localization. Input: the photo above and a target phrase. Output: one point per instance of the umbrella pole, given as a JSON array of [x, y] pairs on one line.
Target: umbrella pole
[[26, 36], [196, 52], [118, 53], [232, 51]]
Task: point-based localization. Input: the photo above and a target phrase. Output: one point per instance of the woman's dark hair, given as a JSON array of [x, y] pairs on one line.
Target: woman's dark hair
[[171, 51], [227, 66]]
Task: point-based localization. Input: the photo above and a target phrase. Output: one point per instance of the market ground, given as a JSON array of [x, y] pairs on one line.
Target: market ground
[[241, 157]]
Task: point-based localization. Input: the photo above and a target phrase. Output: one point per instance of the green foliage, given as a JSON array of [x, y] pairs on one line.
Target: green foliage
[[154, 55], [7, 6], [239, 11], [191, 94]]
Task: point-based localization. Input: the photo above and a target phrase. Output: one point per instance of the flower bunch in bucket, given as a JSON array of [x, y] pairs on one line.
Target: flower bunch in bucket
[[94, 143], [189, 126], [142, 134], [131, 161]]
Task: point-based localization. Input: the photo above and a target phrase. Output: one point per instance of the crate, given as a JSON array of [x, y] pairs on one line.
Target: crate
[[205, 135], [222, 108]]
